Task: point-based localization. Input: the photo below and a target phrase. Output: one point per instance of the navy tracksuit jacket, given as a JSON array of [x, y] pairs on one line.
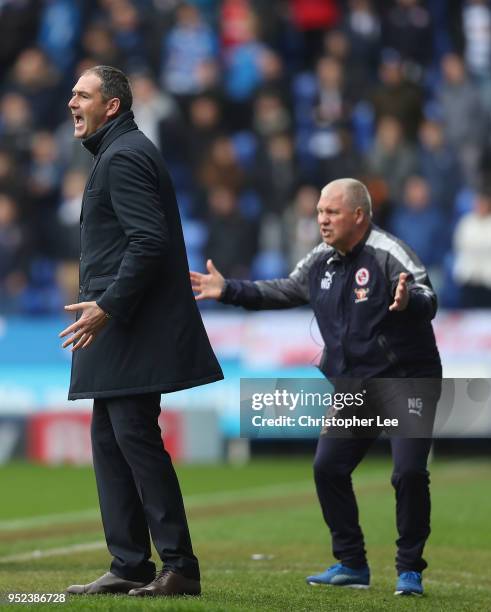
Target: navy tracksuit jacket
[[350, 296]]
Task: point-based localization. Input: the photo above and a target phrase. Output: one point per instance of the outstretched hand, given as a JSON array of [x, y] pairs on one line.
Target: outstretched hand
[[84, 330], [207, 286], [401, 295]]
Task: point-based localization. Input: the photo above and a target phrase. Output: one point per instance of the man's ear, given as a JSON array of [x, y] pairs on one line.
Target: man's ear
[[113, 107], [359, 215]]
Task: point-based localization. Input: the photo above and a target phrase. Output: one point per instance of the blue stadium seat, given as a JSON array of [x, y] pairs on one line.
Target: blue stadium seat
[[186, 204], [304, 87], [245, 146], [42, 272], [250, 205], [463, 203], [195, 234], [269, 264], [41, 301], [363, 122], [449, 295]]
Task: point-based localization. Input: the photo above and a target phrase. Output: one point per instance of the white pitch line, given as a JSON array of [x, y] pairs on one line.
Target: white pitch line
[[49, 519], [100, 545], [197, 500], [204, 499], [53, 552], [191, 501]]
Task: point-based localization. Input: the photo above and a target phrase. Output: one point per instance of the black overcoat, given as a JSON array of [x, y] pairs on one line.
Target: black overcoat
[[133, 264]]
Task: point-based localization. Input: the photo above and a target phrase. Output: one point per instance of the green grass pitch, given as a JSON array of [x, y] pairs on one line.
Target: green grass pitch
[[258, 532]]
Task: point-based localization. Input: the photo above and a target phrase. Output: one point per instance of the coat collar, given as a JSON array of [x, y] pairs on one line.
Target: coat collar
[[99, 141], [359, 245], [337, 256]]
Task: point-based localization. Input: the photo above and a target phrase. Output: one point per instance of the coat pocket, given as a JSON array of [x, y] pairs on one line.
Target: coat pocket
[[91, 193], [99, 283]]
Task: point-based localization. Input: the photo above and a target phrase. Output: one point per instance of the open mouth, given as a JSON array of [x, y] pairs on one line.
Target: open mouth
[[78, 120]]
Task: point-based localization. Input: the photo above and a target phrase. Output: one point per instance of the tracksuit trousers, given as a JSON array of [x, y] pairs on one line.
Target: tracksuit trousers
[[334, 462], [337, 457]]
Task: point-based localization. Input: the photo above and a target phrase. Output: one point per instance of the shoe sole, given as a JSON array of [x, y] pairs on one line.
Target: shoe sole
[[407, 593], [165, 596], [97, 593], [346, 586]]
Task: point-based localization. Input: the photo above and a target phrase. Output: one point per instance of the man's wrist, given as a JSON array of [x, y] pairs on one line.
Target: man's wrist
[[223, 291], [107, 314]]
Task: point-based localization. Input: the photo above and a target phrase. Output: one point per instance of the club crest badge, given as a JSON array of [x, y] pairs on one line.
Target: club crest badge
[[361, 294], [362, 277]]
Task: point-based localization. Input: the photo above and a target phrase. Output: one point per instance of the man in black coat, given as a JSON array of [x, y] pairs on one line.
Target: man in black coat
[[138, 334]]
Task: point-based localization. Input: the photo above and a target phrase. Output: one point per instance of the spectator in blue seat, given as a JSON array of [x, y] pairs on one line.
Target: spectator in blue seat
[[19, 22], [129, 33], [439, 164], [68, 215], [45, 173], [34, 77], [220, 167], [206, 123], [16, 125], [98, 43], [276, 172], [392, 157], [13, 183], [339, 159], [189, 51], [231, 238], [271, 115], [466, 124], [420, 223], [45, 170], [358, 75], [59, 32], [396, 95], [333, 105], [13, 254], [363, 28], [248, 66], [408, 29]]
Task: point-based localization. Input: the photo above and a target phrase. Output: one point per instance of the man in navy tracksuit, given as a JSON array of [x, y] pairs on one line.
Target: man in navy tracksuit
[[374, 304]]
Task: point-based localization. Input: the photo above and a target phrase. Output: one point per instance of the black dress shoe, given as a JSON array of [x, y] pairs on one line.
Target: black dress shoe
[[167, 584], [109, 583]]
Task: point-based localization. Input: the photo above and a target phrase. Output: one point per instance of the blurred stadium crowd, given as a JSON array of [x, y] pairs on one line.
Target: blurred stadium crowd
[[255, 105]]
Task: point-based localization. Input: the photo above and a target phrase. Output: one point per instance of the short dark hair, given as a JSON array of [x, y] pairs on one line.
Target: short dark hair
[[114, 84]]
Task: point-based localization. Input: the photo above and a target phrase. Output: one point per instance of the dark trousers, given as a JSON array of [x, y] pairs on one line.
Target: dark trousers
[[138, 489], [337, 457]]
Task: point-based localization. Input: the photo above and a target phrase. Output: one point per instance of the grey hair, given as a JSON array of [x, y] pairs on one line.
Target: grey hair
[[355, 193]]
